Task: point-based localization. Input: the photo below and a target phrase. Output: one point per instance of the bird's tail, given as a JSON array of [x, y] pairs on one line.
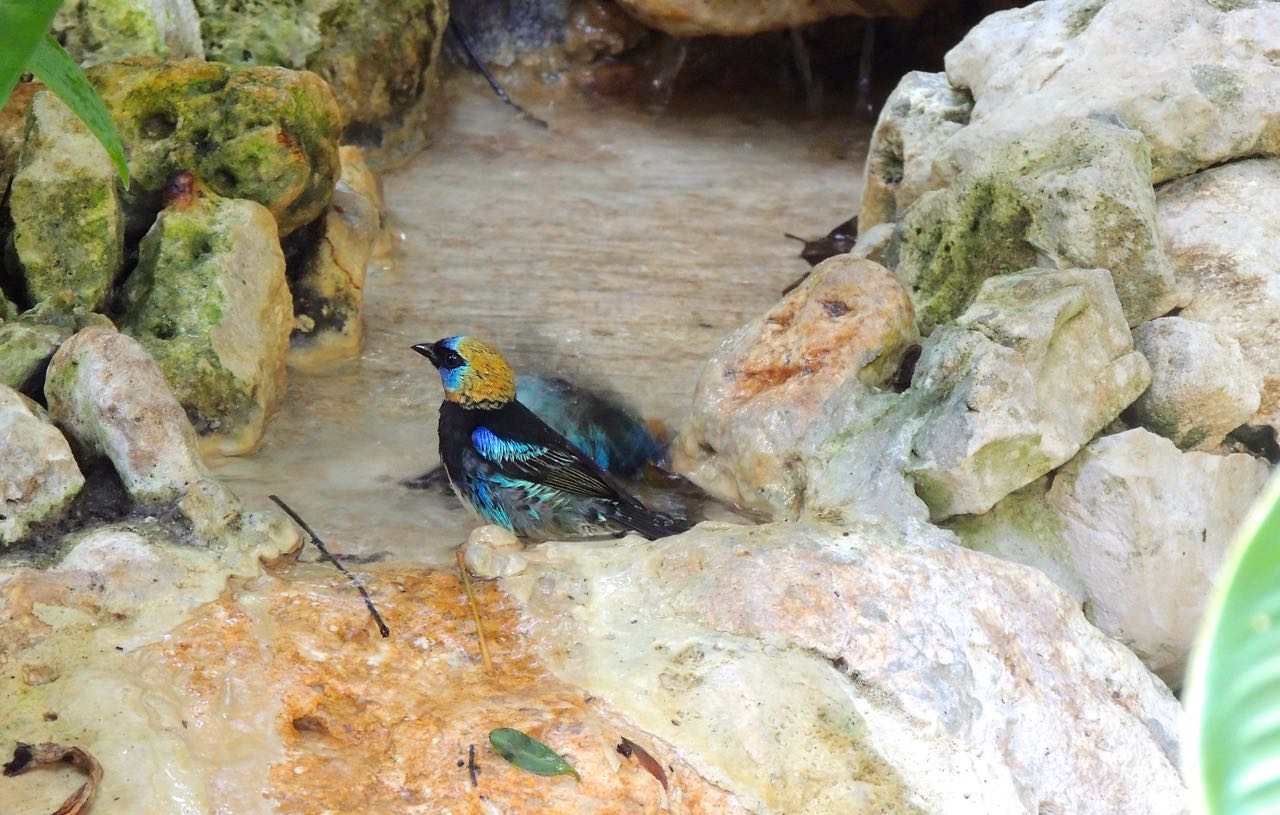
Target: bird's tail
[[651, 525]]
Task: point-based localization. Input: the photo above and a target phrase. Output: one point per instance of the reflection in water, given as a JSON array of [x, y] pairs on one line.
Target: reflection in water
[[614, 248]]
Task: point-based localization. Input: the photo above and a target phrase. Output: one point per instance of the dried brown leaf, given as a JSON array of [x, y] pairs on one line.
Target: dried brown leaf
[[31, 756], [630, 749]]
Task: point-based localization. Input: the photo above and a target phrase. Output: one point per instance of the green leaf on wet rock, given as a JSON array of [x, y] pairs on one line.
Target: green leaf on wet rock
[[24, 24], [53, 66], [529, 754], [1233, 683]]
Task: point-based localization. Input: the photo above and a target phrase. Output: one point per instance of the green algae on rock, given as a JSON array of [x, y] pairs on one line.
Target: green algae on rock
[[95, 31], [1078, 197], [380, 59], [269, 135], [68, 222], [210, 302]]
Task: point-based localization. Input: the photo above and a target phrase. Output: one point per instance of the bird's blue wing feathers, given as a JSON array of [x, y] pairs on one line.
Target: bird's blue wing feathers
[[542, 464]]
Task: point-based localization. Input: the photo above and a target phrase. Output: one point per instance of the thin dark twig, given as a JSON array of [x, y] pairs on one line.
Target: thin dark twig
[[458, 34], [471, 764], [368, 601]]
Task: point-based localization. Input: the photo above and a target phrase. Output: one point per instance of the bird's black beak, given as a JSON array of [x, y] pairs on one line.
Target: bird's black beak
[[426, 349]]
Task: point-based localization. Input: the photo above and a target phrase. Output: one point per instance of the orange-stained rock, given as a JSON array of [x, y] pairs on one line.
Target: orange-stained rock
[[374, 725], [846, 326], [694, 18]]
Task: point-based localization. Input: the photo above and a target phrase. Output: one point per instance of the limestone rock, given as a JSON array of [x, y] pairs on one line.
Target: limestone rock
[[107, 393], [266, 134], [1075, 197], [381, 61], [13, 131], [492, 551], [921, 113], [1038, 364], [209, 301], [359, 176], [1201, 386], [328, 294], [735, 17], [1197, 79], [68, 224], [28, 340], [845, 327], [295, 704], [95, 31], [38, 474], [1133, 528], [1221, 230], [25, 349], [919, 676]]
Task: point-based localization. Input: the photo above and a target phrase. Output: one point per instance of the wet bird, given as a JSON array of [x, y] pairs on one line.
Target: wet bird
[[515, 470]]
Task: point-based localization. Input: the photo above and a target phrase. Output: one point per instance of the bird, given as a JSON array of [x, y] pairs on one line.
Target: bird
[[512, 468], [598, 424]]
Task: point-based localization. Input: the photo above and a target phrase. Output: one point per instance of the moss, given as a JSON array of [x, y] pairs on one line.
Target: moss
[[100, 30], [1219, 85], [1084, 12], [68, 226], [174, 303], [264, 134], [381, 60]]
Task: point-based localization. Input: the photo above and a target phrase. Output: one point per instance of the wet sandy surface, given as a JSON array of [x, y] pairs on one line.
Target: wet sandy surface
[[615, 248]]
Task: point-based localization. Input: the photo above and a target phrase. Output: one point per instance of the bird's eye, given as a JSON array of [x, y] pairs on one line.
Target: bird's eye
[[451, 359]]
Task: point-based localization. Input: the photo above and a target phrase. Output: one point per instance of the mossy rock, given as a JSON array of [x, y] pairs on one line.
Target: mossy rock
[[95, 31], [268, 135], [210, 303], [1081, 197], [68, 224], [380, 59]]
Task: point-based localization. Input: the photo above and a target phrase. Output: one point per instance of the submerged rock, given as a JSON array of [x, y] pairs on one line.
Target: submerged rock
[[38, 474], [107, 393], [1221, 229], [68, 223], [1201, 386], [1134, 529], [1077, 197], [918, 676], [210, 303], [266, 134], [381, 60], [1038, 364], [846, 327]]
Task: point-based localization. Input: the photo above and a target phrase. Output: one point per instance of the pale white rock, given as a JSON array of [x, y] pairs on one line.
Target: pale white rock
[[1221, 230], [107, 393], [493, 551], [923, 111], [870, 668], [1021, 381], [845, 328], [38, 473], [1135, 529], [1197, 79], [1201, 386], [1078, 196]]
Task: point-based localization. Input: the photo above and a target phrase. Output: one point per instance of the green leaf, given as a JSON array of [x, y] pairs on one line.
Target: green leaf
[[1233, 682], [528, 753], [23, 24], [53, 66]]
